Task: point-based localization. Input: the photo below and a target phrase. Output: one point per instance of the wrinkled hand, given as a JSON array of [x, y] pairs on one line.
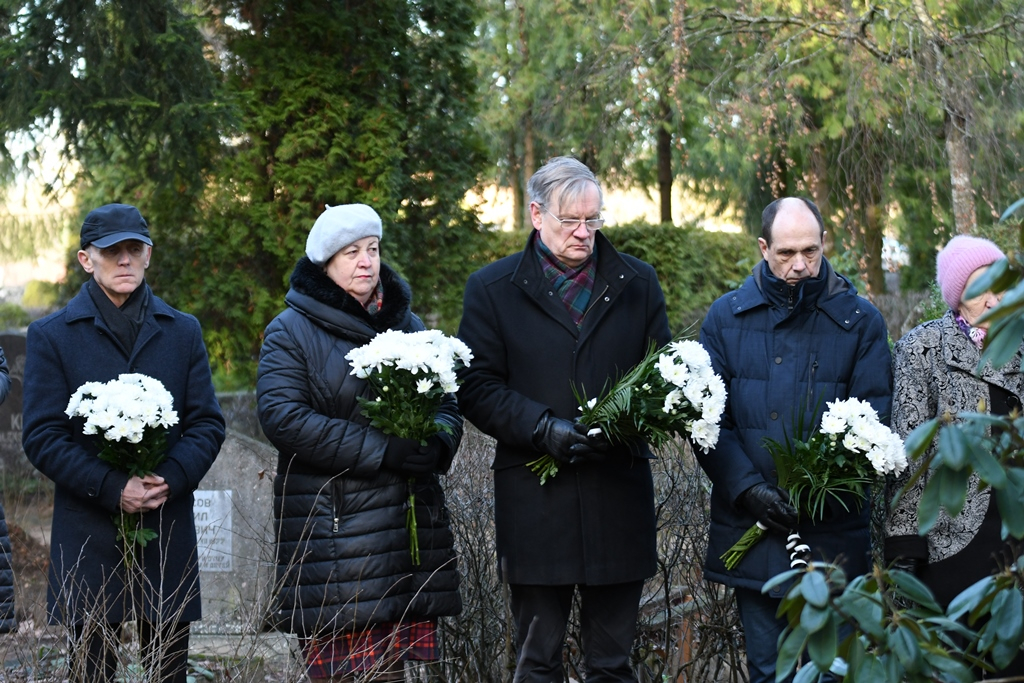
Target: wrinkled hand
[[771, 506], [144, 494], [560, 439], [409, 457]]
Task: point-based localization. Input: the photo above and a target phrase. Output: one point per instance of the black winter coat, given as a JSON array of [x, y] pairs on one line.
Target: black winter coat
[[7, 621], [343, 557], [593, 523], [65, 350]]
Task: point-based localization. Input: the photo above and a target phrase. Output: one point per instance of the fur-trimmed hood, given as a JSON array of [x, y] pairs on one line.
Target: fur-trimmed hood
[[319, 298]]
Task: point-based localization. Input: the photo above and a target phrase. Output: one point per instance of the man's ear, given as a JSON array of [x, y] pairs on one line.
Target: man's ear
[[85, 260]]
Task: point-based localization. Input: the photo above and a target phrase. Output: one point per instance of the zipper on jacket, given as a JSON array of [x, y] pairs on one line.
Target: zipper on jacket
[[335, 503], [810, 382]]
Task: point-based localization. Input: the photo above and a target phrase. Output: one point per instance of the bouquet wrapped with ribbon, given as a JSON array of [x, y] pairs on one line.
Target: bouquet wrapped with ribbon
[[131, 415], [672, 392], [410, 373], [850, 450]]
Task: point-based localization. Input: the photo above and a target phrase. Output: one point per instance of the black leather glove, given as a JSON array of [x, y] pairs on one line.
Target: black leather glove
[[770, 505], [560, 439], [597, 442], [409, 457]]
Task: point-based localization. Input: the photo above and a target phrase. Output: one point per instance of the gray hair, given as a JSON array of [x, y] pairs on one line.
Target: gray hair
[[561, 178]]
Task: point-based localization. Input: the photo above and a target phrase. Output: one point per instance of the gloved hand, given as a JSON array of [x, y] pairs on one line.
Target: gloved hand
[[771, 506], [409, 457], [560, 439], [596, 441]]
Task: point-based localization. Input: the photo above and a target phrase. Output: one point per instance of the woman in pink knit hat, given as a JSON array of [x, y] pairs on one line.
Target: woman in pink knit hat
[[934, 373]]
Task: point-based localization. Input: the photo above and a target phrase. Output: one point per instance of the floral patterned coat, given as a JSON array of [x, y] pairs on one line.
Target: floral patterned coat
[[934, 373]]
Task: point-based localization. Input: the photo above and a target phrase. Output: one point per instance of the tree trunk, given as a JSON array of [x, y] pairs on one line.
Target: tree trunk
[[873, 247], [958, 123], [529, 166], [515, 184], [959, 156], [664, 147]]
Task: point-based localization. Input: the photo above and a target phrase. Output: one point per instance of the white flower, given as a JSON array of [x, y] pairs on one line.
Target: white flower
[[832, 424], [424, 385], [704, 434], [672, 400]]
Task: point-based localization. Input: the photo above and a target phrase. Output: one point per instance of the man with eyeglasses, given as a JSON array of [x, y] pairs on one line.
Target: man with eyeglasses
[[567, 314]]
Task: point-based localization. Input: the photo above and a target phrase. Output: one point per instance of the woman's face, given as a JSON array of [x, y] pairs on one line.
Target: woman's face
[[972, 309], [356, 268]]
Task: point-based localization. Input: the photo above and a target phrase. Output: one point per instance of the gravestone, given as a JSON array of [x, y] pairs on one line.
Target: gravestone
[[234, 527], [13, 462]]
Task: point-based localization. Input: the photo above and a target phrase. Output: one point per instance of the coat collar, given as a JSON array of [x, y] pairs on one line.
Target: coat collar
[[321, 300], [612, 276], [838, 299], [82, 307], [960, 353]]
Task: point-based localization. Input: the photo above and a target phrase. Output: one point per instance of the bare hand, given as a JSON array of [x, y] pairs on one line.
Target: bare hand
[[144, 494]]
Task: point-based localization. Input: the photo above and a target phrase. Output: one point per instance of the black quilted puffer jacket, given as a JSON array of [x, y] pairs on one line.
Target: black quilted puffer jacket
[[7, 620], [343, 559]]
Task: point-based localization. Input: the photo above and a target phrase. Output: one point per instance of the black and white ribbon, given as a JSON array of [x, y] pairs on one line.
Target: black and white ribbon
[[799, 552]]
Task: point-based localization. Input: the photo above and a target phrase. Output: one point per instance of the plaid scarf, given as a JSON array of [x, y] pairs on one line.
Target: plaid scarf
[[376, 301], [574, 285]]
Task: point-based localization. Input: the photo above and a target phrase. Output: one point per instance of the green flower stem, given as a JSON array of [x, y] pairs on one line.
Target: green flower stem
[[410, 524], [544, 467], [748, 540]]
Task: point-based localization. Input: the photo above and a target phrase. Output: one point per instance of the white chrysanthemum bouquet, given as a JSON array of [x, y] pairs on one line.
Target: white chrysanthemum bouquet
[[850, 450], [410, 373], [673, 391], [131, 415]]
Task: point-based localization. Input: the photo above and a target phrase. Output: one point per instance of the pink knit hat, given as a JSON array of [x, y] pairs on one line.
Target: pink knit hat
[[962, 256]]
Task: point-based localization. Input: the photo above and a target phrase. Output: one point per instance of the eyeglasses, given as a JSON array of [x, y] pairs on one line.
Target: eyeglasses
[[570, 224]]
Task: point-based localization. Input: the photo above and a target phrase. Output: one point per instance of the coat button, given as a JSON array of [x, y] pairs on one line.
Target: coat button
[[551, 293], [847, 322], [607, 298], [621, 276], [857, 311], [774, 415], [778, 360]]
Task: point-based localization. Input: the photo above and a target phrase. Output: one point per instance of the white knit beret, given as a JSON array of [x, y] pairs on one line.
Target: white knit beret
[[339, 226]]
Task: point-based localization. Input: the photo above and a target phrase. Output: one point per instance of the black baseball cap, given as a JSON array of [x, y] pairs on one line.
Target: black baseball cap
[[113, 223]]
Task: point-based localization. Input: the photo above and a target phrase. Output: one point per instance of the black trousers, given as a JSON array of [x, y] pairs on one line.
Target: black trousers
[[93, 658], [607, 627]]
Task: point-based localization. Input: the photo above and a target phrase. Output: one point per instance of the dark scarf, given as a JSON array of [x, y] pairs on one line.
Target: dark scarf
[[573, 285], [124, 322], [390, 302]]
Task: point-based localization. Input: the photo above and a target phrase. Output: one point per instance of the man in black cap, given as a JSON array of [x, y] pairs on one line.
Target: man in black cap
[[115, 325]]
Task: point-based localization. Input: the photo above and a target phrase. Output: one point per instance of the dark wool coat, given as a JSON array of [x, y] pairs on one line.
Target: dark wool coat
[[780, 368], [343, 557], [593, 523], [934, 369], [7, 621], [65, 350]]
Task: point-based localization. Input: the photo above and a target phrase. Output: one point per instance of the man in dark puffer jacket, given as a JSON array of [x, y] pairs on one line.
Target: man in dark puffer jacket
[[793, 337]]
